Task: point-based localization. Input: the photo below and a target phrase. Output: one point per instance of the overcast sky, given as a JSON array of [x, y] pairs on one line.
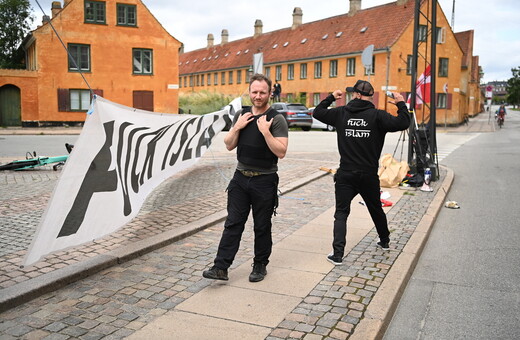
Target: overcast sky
[[496, 22]]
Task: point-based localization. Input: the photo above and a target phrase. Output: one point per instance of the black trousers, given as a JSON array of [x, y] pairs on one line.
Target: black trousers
[[347, 185], [258, 193]]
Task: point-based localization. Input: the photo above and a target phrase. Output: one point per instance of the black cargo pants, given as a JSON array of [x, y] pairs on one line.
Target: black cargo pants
[[258, 193], [347, 185]]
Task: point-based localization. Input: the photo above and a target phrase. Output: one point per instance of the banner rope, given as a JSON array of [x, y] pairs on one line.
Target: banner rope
[[66, 49]]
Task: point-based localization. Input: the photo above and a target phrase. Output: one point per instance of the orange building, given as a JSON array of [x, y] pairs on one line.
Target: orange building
[[470, 93], [119, 47], [311, 60]]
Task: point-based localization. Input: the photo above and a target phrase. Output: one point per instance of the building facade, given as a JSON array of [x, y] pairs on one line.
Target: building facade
[[311, 60], [117, 49]]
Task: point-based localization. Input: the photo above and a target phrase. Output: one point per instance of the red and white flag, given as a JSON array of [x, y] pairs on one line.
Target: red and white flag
[[422, 87]]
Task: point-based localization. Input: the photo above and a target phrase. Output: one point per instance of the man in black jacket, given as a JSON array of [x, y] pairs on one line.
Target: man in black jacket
[[361, 130], [260, 135]]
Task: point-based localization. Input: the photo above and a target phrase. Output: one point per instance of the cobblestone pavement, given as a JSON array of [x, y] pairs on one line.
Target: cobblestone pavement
[[117, 301], [184, 198]]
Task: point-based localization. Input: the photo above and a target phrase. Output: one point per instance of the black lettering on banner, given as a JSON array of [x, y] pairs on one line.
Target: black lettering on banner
[[97, 179]]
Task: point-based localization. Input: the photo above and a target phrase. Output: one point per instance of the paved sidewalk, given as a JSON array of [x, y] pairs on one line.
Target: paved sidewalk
[[147, 277], [153, 277]]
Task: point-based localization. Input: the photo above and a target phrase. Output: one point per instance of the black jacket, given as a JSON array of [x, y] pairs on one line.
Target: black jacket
[[361, 130]]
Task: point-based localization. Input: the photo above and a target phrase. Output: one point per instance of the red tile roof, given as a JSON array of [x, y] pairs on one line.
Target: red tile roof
[[465, 40], [338, 35]]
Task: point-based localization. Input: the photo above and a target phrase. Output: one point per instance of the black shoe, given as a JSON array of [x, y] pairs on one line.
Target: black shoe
[[383, 245], [258, 273], [335, 260], [215, 274]]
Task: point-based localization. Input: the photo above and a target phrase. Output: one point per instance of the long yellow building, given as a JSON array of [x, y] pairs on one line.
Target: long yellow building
[[310, 60]]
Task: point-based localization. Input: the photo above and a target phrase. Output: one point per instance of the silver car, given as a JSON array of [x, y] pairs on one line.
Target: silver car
[[296, 114]]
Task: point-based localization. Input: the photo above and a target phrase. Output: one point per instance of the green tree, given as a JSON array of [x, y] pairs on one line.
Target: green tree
[[15, 22], [513, 87]]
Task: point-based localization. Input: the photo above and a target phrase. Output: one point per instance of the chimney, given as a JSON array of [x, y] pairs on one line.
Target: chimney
[[225, 36], [297, 15], [66, 2], [258, 27], [210, 40], [45, 19], [55, 8], [355, 6], [402, 2]]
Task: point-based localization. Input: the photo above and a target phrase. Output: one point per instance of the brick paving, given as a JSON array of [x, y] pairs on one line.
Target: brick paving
[[119, 300]]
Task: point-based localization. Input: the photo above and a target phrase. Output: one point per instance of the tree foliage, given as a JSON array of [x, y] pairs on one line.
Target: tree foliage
[[513, 87], [15, 22]]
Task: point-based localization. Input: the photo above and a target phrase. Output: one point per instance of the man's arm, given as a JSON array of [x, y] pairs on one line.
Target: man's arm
[[322, 113], [277, 145], [403, 119]]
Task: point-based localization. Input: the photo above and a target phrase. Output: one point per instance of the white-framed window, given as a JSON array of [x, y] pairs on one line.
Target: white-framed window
[[423, 33], [316, 99], [409, 64], [442, 101], [239, 76], [441, 35], [278, 73], [351, 67], [230, 77], [333, 68], [222, 78], [303, 71], [268, 72], [290, 72], [317, 69]]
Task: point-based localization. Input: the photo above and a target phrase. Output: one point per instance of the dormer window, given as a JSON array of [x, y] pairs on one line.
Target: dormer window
[[275, 45], [304, 40], [238, 52], [285, 44], [339, 34], [246, 51], [364, 29], [325, 37]]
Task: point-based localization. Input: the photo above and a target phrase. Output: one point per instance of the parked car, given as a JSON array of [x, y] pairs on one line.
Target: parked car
[[296, 115], [316, 124]]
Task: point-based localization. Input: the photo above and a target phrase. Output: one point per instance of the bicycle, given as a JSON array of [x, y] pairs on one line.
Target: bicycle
[[32, 161], [500, 120]]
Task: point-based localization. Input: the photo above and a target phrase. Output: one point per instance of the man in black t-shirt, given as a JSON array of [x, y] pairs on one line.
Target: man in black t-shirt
[[260, 135]]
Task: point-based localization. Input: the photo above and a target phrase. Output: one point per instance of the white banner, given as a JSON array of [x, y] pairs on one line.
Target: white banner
[[121, 155]]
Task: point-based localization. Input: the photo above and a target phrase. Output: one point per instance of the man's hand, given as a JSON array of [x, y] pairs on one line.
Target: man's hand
[[243, 120], [337, 94], [231, 138], [397, 98], [264, 125]]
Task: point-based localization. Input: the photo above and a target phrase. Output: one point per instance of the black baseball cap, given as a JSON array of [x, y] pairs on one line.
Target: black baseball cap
[[363, 87]]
